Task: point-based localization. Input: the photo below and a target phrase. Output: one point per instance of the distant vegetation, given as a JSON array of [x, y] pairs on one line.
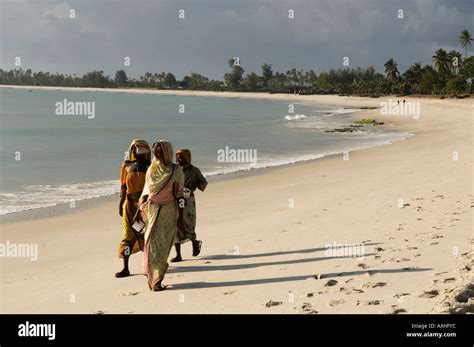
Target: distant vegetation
[[450, 74]]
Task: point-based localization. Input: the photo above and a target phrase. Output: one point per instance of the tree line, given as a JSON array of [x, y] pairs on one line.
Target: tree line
[[449, 74]]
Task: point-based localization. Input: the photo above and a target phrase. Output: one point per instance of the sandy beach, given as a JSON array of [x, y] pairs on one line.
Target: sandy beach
[[264, 236]]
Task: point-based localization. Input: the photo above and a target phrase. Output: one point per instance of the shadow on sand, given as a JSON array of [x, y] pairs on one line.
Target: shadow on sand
[[193, 285]]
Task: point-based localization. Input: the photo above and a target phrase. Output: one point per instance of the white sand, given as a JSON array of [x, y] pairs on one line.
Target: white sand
[[258, 249]]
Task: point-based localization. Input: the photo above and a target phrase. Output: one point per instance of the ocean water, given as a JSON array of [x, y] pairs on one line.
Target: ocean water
[[48, 159]]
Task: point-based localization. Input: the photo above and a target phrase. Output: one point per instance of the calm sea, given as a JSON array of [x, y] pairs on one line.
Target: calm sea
[[47, 159]]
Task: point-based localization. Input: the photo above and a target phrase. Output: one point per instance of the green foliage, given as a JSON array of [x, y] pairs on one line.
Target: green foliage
[[234, 78], [121, 78], [449, 73]]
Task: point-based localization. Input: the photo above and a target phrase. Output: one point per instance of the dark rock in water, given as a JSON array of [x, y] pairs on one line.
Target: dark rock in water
[[330, 283]]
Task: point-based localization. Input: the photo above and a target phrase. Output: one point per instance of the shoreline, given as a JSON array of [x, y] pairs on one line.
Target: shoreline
[[226, 94], [64, 209], [352, 100]]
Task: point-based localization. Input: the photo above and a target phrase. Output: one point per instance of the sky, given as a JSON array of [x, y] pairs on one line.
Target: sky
[[102, 33]]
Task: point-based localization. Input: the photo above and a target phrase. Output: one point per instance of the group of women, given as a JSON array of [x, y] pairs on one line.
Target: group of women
[[158, 194]]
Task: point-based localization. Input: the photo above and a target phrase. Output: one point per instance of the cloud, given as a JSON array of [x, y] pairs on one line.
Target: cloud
[[60, 11], [258, 31]]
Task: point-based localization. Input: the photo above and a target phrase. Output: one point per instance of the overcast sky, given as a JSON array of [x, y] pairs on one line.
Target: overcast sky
[[150, 32]]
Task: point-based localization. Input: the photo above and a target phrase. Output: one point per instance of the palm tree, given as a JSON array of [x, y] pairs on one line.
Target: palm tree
[[465, 39], [441, 62], [391, 70], [413, 77]]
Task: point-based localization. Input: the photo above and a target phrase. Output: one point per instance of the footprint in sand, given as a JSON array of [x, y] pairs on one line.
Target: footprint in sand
[[399, 310], [351, 290], [229, 292], [369, 302], [336, 302], [430, 294], [306, 307], [130, 293], [374, 284], [330, 283], [271, 303], [363, 266], [410, 268], [310, 295], [399, 295]]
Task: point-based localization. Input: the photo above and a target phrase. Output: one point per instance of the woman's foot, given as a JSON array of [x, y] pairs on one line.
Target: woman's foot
[[196, 248], [159, 287], [176, 259], [123, 273]]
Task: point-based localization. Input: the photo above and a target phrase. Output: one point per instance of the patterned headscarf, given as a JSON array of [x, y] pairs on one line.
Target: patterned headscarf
[[160, 169], [185, 154], [140, 146], [167, 152]]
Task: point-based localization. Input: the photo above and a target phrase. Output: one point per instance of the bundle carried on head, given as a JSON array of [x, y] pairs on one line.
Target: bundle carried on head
[[137, 147]]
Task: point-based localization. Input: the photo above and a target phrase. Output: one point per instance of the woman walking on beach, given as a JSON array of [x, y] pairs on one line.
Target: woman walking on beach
[[193, 179], [163, 205], [132, 180]]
